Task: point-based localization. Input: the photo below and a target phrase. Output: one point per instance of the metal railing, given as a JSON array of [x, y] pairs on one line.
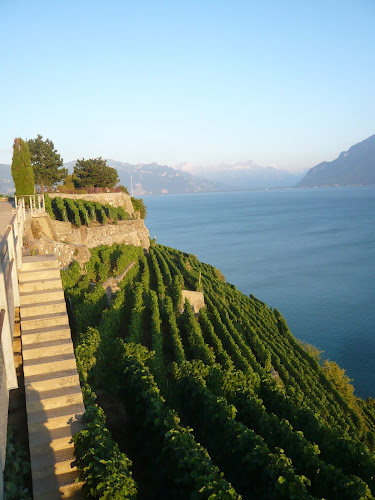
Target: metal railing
[[10, 262]]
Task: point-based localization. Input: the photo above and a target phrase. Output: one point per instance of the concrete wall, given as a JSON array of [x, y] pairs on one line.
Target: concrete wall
[[4, 402]]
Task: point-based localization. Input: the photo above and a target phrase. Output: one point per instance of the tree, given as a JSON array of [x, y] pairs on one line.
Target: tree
[[95, 172], [22, 172], [46, 162]]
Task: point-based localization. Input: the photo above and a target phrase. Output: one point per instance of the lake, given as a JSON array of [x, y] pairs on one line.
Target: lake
[[308, 252]]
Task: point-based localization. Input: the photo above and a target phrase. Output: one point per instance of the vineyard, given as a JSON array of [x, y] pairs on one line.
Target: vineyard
[[84, 213], [221, 404]]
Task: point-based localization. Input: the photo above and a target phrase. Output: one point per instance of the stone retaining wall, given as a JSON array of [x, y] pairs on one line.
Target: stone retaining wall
[[130, 232]]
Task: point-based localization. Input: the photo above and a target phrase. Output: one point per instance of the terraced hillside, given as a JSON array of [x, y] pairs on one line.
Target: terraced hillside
[[225, 403]]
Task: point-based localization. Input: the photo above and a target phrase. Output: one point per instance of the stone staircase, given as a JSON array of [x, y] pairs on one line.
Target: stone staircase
[[53, 395]]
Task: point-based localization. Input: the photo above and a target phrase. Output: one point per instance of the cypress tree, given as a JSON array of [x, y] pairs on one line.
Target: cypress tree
[[22, 171]]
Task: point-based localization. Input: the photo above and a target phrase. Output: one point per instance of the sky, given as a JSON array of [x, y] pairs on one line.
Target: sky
[[282, 83]]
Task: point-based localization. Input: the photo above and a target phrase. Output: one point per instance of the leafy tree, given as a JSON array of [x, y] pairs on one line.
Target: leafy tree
[[46, 162], [22, 172], [95, 172]]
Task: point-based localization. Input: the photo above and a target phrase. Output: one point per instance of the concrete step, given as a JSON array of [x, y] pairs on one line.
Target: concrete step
[[44, 323], [56, 422], [58, 487], [57, 444], [41, 345], [71, 413], [32, 262], [35, 339], [42, 457], [36, 297], [66, 372], [47, 307], [42, 274], [37, 285], [61, 467], [51, 403], [50, 367], [51, 385], [53, 393], [44, 435], [49, 349]]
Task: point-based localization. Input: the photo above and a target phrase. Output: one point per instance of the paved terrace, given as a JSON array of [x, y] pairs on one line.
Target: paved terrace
[[6, 214]]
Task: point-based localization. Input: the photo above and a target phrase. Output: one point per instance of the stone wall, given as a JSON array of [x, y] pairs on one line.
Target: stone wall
[[130, 232], [72, 243], [114, 199]]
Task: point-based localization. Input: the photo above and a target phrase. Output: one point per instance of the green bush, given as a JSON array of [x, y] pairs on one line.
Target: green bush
[[140, 207], [15, 472]]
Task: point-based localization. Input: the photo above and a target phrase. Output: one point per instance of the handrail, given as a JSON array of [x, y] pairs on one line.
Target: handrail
[[31, 203], [10, 254]]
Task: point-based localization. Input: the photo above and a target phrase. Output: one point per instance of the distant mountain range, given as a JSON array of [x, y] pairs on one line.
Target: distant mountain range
[[160, 179], [245, 175], [152, 178], [355, 167]]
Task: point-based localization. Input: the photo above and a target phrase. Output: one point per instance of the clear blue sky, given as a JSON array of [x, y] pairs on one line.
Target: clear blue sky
[[285, 83]]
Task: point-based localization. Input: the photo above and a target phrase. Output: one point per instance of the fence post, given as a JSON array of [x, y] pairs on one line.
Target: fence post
[[14, 277]]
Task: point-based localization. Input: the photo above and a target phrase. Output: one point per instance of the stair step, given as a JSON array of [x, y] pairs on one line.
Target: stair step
[[54, 403], [52, 384], [48, 350], [53, 393], [56, 422], [26, 276], [44, 321], [32, 262], [42, 457], [71, 411], [57, 444], [36, 285], [35, 346], [50, 488], [53, 358], [70, 491], [58, 468], [47, 307], [42, 377], [40, 296], [49, 331], [44, 435], [44, 368]]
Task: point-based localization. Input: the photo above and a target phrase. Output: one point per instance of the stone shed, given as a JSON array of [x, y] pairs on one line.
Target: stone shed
[[196, 300]]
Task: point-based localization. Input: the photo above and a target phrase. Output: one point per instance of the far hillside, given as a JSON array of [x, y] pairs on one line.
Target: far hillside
[[355, 167]]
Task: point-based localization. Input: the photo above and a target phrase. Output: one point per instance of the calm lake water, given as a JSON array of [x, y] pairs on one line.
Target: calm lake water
[[308, 252]]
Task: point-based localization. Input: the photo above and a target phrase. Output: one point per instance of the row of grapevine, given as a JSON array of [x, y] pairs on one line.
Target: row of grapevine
[[82, 212], [258, 402]]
